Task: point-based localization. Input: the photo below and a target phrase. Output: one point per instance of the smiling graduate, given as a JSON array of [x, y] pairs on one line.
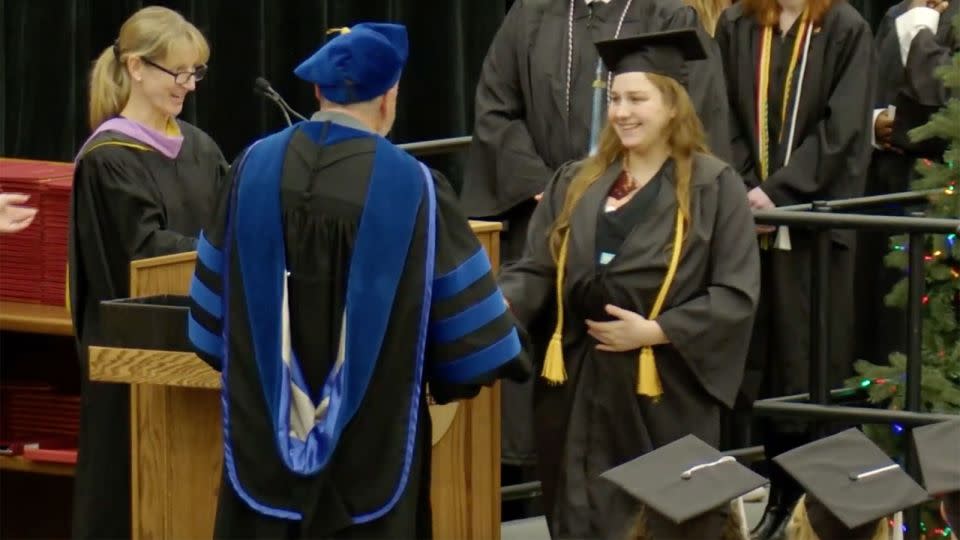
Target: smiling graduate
[[642, 265]]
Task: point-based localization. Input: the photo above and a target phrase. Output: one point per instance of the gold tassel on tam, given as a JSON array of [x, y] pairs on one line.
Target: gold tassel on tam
[[648, 380], [554, 370]]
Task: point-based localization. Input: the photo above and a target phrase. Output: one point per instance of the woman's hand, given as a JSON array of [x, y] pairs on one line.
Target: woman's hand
[[629, 332], [758, 200], [13, 217]]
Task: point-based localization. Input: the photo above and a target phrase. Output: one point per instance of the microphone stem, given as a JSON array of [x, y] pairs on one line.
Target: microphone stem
[[287, 106], [286, 116]]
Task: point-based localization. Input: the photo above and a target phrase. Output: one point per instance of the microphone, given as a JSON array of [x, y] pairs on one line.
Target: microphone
[[263, 87]]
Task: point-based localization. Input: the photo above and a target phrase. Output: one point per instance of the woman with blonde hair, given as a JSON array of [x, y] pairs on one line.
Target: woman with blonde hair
[[640, 259], [144, 184], [816, 524]]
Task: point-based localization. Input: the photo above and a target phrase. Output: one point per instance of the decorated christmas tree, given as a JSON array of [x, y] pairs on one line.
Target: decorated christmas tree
[[940, 378]]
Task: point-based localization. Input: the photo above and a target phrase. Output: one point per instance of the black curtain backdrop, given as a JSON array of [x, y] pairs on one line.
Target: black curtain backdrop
[[48, 47]]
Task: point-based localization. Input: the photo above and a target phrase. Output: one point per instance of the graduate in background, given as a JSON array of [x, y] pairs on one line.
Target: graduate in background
[[853, 489], [143, 186], [642, 262], [339, 277], [540, 103], [685, 490], [800, 76], [927, 40]]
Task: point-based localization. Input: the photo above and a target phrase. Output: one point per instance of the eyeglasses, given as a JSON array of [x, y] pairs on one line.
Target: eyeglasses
[[181, 77]]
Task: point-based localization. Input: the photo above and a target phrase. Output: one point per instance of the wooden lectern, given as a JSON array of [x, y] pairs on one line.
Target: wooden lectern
[[177, 440]]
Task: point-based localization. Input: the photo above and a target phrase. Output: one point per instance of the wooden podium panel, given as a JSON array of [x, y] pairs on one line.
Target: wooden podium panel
[[177, 436]]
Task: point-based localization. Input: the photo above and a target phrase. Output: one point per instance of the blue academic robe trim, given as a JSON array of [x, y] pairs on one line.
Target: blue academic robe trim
[[461, 277], [203, 339], [469, 320], [467, 368], [397, 186], [208, 255], [205, 298]]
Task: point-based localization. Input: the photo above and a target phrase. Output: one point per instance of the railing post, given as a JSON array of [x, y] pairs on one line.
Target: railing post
[[819, 317], [916, 282]]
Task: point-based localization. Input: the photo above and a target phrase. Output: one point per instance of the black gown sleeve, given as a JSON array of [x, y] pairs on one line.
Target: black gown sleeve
[[530, 283], [741, 156], [923, 92], [837, 150], [712, 331], [928, 52], [503, 168], [119, 188], [707, 87], [473, 339], [205, 323]]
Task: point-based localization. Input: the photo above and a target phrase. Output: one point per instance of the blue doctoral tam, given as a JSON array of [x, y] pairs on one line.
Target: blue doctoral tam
[[360, 64]]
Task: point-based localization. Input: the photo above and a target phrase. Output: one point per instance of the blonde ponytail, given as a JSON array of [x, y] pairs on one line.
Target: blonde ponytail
[[149, 33], [109, 87]]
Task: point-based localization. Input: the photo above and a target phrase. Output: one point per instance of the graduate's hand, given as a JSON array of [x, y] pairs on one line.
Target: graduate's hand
[[883, 127], [759, 200], [939, 5], [629, 332], [538, 197], [14, 218]]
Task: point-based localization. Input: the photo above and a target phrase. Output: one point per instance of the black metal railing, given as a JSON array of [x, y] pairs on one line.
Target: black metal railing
[[438, 146], [818, 406], [869, 201]]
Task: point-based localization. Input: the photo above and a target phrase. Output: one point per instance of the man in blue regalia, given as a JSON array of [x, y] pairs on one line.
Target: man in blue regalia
[[336, 280]]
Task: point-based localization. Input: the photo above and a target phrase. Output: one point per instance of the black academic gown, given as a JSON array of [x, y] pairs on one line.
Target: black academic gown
[[595, 420], [127, 204], [829, 161], [880, 328], [523, 132], [923, 93], [323, 190]]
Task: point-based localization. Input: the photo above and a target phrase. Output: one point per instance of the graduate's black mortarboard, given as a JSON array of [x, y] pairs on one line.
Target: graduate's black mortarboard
[[850, 482], [684, 479], [663, 53], [361, 63], [938, 451]]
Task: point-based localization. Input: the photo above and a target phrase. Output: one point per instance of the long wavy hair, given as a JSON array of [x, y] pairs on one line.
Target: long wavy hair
[[685, 137], [731, 528], [799, 528], [709, 12], [767, 12]]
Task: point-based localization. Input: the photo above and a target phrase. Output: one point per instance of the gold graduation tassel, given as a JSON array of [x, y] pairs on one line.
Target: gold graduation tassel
[[342, 30], [648, 380], [554, 370]]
